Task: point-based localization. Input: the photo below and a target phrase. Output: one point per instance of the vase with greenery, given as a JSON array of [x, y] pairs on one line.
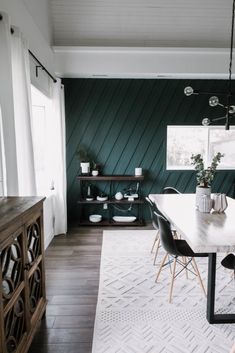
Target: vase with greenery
[[204, 175], [84, 159], [95, 168]]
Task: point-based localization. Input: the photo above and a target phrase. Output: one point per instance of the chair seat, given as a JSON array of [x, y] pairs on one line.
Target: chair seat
[[229, 262], [184, 249]]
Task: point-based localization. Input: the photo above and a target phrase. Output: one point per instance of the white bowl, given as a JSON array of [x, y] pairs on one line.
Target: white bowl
[[89, 198], [124, 218], [102, 198], [95, 218]]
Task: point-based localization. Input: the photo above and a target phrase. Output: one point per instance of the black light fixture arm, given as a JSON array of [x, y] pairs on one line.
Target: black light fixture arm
[[231, 51], [188, 91], [214, 100], [228, 114]]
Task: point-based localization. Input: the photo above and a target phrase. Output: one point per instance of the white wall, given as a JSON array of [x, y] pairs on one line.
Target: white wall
[[40, 12], [141, 62], [33, 18], [25, 15]]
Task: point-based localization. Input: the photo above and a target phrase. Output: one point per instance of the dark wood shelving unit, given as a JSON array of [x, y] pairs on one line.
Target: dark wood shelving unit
[[111, 180], [124, 202]]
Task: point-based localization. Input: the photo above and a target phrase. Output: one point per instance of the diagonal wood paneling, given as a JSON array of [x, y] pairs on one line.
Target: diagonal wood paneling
[[123, 123]]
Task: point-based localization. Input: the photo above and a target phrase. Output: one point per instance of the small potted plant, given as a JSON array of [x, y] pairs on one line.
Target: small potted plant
[[84, 159], [95, 169], [204, 175]]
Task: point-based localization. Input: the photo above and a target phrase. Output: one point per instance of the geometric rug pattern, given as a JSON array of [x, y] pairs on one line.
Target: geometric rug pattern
[[133, 314]]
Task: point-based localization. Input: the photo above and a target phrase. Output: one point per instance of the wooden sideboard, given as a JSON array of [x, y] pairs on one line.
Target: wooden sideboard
[[22, 275]]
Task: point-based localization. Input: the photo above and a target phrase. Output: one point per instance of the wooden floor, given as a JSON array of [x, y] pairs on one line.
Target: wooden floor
[[72, 279]]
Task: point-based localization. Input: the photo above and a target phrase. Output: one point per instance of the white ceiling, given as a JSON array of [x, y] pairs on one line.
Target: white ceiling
[[141, 23]]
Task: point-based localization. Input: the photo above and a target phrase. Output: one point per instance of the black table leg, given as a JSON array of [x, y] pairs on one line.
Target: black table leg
[[211, 287], [211, 316]]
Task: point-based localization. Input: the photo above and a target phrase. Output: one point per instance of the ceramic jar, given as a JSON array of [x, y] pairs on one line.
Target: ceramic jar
[[94, 172], [219, 203], [118, 196], [138, 171]]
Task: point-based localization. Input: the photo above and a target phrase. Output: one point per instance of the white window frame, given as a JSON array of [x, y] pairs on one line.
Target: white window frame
[[207, 145]]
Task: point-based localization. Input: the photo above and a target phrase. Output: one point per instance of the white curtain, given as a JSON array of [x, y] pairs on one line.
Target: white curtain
[[23, 111], [16, 108], [49, 146], [59, 161], [7, 108], [2, 161], [16, 112]]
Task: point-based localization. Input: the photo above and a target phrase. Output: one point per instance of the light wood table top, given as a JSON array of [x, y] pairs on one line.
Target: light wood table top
[[204, 232]]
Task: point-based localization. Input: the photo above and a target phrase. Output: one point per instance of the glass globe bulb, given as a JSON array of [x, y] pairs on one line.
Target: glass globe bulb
[[206, 122], [213, 101], [232, 109], [188, 91]]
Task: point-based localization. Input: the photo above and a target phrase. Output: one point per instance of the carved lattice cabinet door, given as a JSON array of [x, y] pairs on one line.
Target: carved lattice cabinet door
[[22, 276], [13, 293], [35, 264]]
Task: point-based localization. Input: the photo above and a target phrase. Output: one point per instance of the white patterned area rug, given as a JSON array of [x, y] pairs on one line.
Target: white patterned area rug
[[133, 314]]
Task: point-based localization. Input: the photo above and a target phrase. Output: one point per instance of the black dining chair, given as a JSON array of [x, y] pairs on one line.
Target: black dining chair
[[156, 242], [229, 262], [176, 248], [170, 190]]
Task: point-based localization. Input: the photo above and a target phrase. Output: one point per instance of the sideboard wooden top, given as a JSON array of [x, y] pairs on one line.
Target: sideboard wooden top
[[13, 208]]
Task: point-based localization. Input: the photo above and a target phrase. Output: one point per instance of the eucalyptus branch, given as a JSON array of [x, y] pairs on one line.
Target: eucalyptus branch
[[205, 176]]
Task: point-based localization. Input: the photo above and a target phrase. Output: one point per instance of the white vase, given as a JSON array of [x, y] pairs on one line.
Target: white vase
[[85, 167], [201, 191], [205, 204]]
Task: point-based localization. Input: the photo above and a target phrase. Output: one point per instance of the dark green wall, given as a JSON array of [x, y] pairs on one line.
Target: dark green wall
[[123, 123]]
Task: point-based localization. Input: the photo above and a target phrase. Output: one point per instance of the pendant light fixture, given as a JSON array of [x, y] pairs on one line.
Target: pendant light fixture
[[214, 100]]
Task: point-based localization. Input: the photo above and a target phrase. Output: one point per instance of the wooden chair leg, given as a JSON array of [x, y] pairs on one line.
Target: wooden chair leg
[[156, 252], [160, 268], [232, 349], [172, 279], [155, 240], [184, 260], [198, 274], [170, 261]]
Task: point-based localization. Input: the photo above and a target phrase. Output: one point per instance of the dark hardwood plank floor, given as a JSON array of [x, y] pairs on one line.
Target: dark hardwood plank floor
[[72, 280]]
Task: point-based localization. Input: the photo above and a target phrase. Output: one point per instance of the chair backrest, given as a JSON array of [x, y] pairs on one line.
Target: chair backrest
[[152, 208], [229, 262], [170, 190], [167, 239]]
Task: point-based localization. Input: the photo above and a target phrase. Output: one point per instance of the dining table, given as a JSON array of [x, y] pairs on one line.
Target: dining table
[[210, 233]]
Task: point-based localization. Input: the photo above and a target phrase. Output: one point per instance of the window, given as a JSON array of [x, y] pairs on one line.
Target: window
[[41, 107], [183, 141]]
